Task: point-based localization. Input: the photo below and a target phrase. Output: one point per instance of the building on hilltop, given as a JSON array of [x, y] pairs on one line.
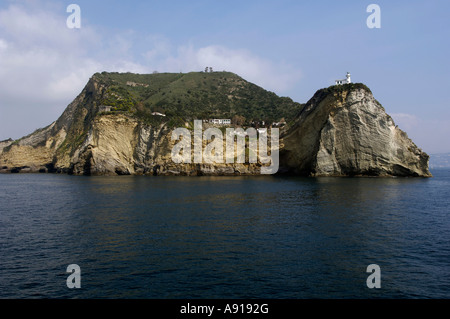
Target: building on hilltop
[[347, 80], [220, 121]]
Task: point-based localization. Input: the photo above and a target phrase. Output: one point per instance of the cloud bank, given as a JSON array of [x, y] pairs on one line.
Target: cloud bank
[[44, 64]]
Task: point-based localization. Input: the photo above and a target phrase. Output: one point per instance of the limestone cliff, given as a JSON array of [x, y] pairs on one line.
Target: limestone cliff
[[122, 145], [344, 131], [86, 141], [341, 131]]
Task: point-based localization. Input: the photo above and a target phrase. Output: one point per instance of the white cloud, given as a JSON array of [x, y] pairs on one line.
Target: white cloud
[[276, 77], [38, 54], [44, 65]]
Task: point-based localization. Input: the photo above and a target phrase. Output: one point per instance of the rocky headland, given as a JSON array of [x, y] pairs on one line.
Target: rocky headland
[[116, 128]]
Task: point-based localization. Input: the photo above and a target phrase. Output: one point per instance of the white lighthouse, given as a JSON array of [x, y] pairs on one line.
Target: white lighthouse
[[349, 80], [344, 81]]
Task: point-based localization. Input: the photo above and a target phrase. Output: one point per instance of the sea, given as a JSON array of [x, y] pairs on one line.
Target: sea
[[254, 237]]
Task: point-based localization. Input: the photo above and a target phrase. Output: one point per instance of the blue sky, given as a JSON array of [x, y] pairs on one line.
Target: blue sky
[[290, 47]]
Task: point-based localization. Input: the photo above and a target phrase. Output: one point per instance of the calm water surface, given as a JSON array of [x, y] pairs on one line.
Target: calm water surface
[[224, 237]]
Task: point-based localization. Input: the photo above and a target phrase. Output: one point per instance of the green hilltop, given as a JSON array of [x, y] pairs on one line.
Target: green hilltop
[[194, 95]]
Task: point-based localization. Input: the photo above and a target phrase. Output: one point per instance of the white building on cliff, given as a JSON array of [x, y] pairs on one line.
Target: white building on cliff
[[344, 81], [220, 121]]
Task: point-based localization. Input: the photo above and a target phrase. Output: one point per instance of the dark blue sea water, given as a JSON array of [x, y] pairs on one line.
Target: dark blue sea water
[[224, 237]]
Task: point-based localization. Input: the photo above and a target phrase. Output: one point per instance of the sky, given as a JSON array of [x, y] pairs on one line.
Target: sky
[[292, 48]]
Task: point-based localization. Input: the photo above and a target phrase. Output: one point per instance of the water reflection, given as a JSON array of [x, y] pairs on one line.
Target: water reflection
[[225, 237], [319, 227]]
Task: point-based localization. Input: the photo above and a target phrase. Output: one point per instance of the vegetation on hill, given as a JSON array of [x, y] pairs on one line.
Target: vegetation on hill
[[345, 87], [195, 95]]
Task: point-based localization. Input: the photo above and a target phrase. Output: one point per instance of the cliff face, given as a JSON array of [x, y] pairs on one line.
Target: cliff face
[[51, 149], [85, 141], [122, 145], [344, 131], [341, 131]]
